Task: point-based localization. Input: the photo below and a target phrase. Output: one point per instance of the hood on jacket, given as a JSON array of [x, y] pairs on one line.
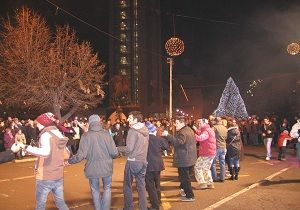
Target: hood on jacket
[[141, 128], [95, 126], [54, 131]]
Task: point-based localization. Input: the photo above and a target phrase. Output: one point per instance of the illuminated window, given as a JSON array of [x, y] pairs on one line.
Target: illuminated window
[[123, 15], [123, 61], [123, 26], [123, 71], [123, 4], [123, 37], [123, 48]]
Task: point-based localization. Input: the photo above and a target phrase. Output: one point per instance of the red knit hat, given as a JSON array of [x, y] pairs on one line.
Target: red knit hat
[[45, 119]]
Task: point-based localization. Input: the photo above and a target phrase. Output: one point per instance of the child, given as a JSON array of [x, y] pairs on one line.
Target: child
[[282, 140]]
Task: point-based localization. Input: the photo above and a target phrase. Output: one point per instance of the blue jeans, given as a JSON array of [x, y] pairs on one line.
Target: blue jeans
[[234, 161], [298, 151], [104, 202], [221, 157], [137, 170], [43, 187]]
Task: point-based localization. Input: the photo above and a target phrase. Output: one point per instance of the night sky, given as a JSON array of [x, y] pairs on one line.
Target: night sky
[[244, 39]]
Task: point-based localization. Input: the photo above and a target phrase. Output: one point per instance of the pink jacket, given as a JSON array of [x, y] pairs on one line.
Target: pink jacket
[[206, 136]]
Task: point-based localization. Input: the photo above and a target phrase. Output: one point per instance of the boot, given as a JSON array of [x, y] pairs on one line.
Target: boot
[[237, 170], [231, 171]]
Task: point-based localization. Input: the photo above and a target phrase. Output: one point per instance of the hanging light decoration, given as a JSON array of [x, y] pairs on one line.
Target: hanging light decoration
[[174, 46], [293, 48]]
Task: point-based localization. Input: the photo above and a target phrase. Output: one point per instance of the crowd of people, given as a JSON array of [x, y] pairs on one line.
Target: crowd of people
[[196, 146]]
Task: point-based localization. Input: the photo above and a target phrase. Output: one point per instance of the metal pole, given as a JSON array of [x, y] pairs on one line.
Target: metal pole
[[170, 61]]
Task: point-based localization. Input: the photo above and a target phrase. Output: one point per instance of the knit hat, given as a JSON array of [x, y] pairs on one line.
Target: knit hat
[[94, 118], [150, 127], [45, 119]]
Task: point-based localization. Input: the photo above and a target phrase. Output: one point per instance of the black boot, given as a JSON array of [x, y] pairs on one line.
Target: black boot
[[231, 171], [237, 170]]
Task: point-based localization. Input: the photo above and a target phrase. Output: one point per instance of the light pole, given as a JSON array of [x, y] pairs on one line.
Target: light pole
[[174, 47]]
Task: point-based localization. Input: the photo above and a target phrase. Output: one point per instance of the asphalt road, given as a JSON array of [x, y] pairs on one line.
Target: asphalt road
[[262, 185]]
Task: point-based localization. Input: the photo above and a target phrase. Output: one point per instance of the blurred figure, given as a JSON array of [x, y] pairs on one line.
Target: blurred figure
[[282, 142], [118, 132], [234, 146], [8, 139], [221, 136], [268, 130], [295, 133]]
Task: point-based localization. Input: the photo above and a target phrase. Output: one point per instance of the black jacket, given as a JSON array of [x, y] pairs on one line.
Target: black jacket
[[154, 157]]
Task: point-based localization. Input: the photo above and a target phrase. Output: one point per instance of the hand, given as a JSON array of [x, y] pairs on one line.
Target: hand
[[66, 163], [194, 127], [268, 131], [165, 133]]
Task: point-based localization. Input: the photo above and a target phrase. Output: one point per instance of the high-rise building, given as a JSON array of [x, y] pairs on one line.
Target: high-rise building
[[135, 61]]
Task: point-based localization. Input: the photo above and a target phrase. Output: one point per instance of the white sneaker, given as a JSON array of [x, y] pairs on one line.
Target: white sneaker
[[267, 158], [182, 193]]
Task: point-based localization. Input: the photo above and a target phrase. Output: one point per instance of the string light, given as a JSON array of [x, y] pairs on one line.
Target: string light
[[174, 46], [293, 48]]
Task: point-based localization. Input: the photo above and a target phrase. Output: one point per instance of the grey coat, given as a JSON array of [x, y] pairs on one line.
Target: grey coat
[[99, 149], [184, 142]]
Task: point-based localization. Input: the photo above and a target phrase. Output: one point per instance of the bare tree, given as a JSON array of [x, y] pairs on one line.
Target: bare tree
[[45, 72]]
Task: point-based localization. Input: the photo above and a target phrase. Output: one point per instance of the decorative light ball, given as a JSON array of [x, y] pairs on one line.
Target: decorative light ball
[[293, 48], [174, 46]]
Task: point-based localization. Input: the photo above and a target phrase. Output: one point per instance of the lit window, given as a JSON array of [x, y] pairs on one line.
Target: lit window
[[123, 37], [123, 48], [123, 26], [123, 15], [123, 4], [123, 60]]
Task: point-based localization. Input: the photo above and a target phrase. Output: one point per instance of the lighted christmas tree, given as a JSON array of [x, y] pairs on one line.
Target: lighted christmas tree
[[231, 103]]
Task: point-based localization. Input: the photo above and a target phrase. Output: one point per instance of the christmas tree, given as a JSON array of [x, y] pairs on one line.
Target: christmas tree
[[231, 103]]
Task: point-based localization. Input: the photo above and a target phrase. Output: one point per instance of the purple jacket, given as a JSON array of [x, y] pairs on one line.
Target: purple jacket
[[207, 139]]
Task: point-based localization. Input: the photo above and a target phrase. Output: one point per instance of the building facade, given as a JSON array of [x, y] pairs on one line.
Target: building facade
[[135, 61]]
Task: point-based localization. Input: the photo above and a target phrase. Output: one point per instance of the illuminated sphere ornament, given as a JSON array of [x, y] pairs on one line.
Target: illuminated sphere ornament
[[293, 48], [174, 46]]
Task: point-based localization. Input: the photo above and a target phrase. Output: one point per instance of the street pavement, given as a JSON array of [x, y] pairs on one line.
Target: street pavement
[[262, 185]]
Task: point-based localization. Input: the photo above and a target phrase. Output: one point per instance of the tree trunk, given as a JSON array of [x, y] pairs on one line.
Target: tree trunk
[[69, 114]]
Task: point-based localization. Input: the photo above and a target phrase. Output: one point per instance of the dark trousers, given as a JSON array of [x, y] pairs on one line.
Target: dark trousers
[[281, 152], [153, 188], [185, 180]]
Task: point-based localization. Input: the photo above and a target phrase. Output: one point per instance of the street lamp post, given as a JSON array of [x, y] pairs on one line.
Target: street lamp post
[[174, 47]]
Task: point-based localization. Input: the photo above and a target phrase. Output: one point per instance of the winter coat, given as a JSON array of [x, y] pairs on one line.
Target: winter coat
[[271, 127], [207, 139], [99, 149], [137, 141], [154, 157], [283, 136], [8, 140], [221, 135], [295, 132], [185, 152], [234, 142]]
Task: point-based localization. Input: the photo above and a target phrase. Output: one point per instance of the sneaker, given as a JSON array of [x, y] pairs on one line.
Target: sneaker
[[267, 158], [211, 186], [182, 193], [201, 187], [185, 199]]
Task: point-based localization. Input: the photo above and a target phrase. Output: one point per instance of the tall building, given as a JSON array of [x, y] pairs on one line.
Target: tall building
[[135, 62]]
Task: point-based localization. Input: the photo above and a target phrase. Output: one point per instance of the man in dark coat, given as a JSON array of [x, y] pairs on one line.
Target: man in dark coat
[[185, 155], [155, 165]]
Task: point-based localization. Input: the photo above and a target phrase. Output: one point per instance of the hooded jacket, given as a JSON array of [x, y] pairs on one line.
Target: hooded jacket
[[51, 154], [99, 149], [137, 142], [206, 136]]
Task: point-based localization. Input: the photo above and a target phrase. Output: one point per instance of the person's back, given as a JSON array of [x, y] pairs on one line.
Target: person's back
[[98, 148]]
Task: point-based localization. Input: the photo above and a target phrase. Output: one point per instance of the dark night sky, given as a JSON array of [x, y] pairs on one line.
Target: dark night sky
[[244, 39]]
